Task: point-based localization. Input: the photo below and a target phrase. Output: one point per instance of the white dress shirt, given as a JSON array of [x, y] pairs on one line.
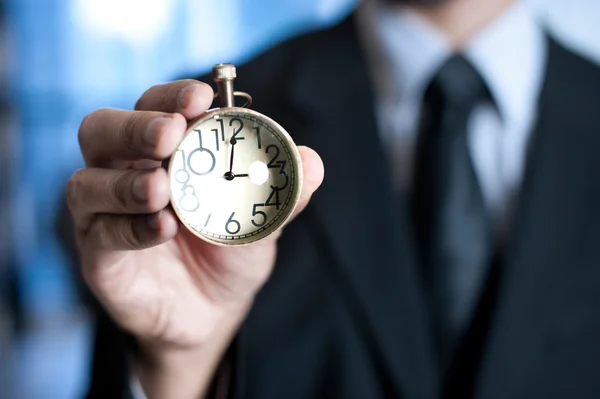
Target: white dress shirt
[[403, 53]]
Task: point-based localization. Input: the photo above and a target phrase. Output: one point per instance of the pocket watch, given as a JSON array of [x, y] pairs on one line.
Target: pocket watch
[[236, 176]]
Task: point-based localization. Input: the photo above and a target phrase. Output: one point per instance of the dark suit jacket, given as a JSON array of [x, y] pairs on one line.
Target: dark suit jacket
[[344, 313]]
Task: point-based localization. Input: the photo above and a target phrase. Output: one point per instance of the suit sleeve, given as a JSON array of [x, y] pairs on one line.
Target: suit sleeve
[[113, 351]]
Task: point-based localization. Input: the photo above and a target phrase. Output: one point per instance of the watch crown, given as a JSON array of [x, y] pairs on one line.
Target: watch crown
[[223, 72]]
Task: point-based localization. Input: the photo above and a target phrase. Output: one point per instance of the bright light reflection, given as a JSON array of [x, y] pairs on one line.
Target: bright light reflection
[[138, 22]]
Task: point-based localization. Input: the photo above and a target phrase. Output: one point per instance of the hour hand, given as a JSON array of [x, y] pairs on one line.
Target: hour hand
[[231, 175]]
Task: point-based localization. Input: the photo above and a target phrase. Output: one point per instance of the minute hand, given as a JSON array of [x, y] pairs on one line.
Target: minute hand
[[233, 143], [229, 175]]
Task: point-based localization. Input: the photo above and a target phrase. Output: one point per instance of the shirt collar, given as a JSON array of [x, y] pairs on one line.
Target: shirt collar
[[511, 56], [404, 51]]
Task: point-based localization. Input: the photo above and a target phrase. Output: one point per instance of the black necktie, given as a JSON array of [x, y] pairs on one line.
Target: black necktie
[[452, 226]]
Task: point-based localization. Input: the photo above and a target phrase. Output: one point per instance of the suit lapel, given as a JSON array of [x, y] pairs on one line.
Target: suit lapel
[[546, 243], [360, 224]]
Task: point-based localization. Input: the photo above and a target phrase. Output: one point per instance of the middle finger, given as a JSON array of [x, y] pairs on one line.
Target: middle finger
[[91, 191]]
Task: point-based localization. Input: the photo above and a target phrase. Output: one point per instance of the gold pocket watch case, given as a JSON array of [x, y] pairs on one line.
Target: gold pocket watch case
[[236, 176]]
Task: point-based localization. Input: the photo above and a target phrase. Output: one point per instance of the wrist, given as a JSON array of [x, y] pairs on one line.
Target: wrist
[[168, 371], [163, 375]]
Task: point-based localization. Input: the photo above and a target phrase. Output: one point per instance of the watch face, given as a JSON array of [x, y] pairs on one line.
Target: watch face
[[236, 176]]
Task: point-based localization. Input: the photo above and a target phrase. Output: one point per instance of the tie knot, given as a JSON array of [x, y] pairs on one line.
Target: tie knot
[[458, 84]]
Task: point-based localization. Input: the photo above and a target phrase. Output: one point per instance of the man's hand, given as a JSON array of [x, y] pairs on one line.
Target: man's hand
[[182, 298]]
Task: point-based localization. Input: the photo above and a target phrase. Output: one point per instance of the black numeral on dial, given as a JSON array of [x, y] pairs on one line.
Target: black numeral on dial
[[197, 152], [232, 222], [274, 163], [271, 163], [239, 128], [274, 193], [216, 131], [262, 215], [188, 200], [257, 131]]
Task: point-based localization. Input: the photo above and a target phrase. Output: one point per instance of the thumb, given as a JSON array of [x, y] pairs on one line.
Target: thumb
[[313, 174]]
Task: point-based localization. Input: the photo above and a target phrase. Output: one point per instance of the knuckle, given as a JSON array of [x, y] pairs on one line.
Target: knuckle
[[74, 187], [141, 102], [156, 188], [126, 236], [84, 128], [132, 233], [170, 101], [91, 117], [128, 129], [98, 233], [144, 103], [86, 133], [115, 192], [114, 232], [136, 191], [165, 102]]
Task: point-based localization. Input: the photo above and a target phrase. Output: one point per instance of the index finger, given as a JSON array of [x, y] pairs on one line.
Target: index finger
[[188, 97], [109, 136]]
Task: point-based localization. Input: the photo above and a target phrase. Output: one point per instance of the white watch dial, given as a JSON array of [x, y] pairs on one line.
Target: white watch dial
[[235, 177]]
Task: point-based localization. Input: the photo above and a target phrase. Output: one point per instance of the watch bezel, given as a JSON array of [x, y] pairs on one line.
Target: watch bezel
[[294, 153]]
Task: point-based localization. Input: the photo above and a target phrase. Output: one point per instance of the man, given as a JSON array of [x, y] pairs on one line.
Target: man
[[451, 251]]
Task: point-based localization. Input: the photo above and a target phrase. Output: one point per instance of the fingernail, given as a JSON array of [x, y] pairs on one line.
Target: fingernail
[[139, 189], [151, 133], [154, 220], [185, 96]]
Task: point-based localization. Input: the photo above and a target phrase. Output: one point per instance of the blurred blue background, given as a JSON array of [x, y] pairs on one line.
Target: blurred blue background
[[61, 59]]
